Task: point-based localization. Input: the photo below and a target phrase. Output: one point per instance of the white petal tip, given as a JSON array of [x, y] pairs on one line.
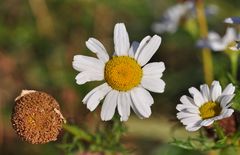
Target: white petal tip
[[157, 36], [192, 129], [122, 119], [105, 119], [91, 109]]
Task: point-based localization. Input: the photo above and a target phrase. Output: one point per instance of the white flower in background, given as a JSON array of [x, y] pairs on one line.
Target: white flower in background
[[173, 15], [232, 20], [217, 43], [127, 75], [211, 10], [205, 106]]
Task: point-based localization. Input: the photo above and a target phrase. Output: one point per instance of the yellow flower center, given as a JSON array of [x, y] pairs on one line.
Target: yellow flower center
[[209, 110], [123, 73]]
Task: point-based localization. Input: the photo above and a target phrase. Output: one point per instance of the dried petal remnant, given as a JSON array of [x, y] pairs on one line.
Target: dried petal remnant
[[35, 119]]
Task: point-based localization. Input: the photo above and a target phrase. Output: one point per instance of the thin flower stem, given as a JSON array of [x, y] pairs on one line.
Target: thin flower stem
[[234, 64], [206, 53], [219, 130], [77, 132], [233, 57]]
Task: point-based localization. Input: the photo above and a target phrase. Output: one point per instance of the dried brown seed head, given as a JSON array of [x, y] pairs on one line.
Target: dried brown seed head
[[36, 117]]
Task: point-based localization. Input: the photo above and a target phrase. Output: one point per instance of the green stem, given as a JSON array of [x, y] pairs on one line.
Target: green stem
[[234, 64], [118, 129], [206, 53], [219, 130], [77, 132]]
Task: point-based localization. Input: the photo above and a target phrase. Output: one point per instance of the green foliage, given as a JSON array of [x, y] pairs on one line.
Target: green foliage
[[204, 143], [167, 149], [200, 143], [236, 101], [105, 141]]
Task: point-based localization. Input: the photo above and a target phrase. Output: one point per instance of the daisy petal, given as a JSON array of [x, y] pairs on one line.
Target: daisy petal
[[225, 113], [230, 36], [190, 120], [216, 90], [191, 109], [193, 128], [214, 42], [229, 89], [182, 115], [207, 122], [154, 69], [228, 113], [205, 92], [129, 100], [142, 100], [133, 49], [142, 44], [226, 99], [109, 105], [197, 96], [87, 76], [153, 84], [123, 106], [96, 95], [86, 98], [148, 50], [97, 47], [85, 63], [121, 40], [186, 100]]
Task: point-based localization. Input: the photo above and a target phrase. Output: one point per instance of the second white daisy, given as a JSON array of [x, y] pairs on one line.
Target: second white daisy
[[205, 106], [126, 75]]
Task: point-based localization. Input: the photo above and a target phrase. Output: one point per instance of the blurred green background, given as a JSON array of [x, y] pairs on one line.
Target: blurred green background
[[39, 38]]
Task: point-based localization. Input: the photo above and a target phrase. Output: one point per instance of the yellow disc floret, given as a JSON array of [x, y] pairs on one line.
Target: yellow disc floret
[[209, 110], [123, 73]]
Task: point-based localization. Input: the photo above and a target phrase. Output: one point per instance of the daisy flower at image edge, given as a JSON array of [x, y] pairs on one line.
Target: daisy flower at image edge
[[205, 106], [127, 75]]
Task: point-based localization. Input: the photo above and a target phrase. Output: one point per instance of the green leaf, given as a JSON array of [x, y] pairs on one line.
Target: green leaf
[[77, 132]]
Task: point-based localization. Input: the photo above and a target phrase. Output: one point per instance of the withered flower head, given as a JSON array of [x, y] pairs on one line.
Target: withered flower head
[[36, 117]]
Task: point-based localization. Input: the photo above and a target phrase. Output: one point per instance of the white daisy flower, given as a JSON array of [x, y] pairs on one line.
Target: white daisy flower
[[127, 75], [171, 17], [205, 106], [217, 43]]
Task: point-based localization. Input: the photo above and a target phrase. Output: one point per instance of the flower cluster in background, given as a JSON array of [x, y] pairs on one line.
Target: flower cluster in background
[[181, 12]]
